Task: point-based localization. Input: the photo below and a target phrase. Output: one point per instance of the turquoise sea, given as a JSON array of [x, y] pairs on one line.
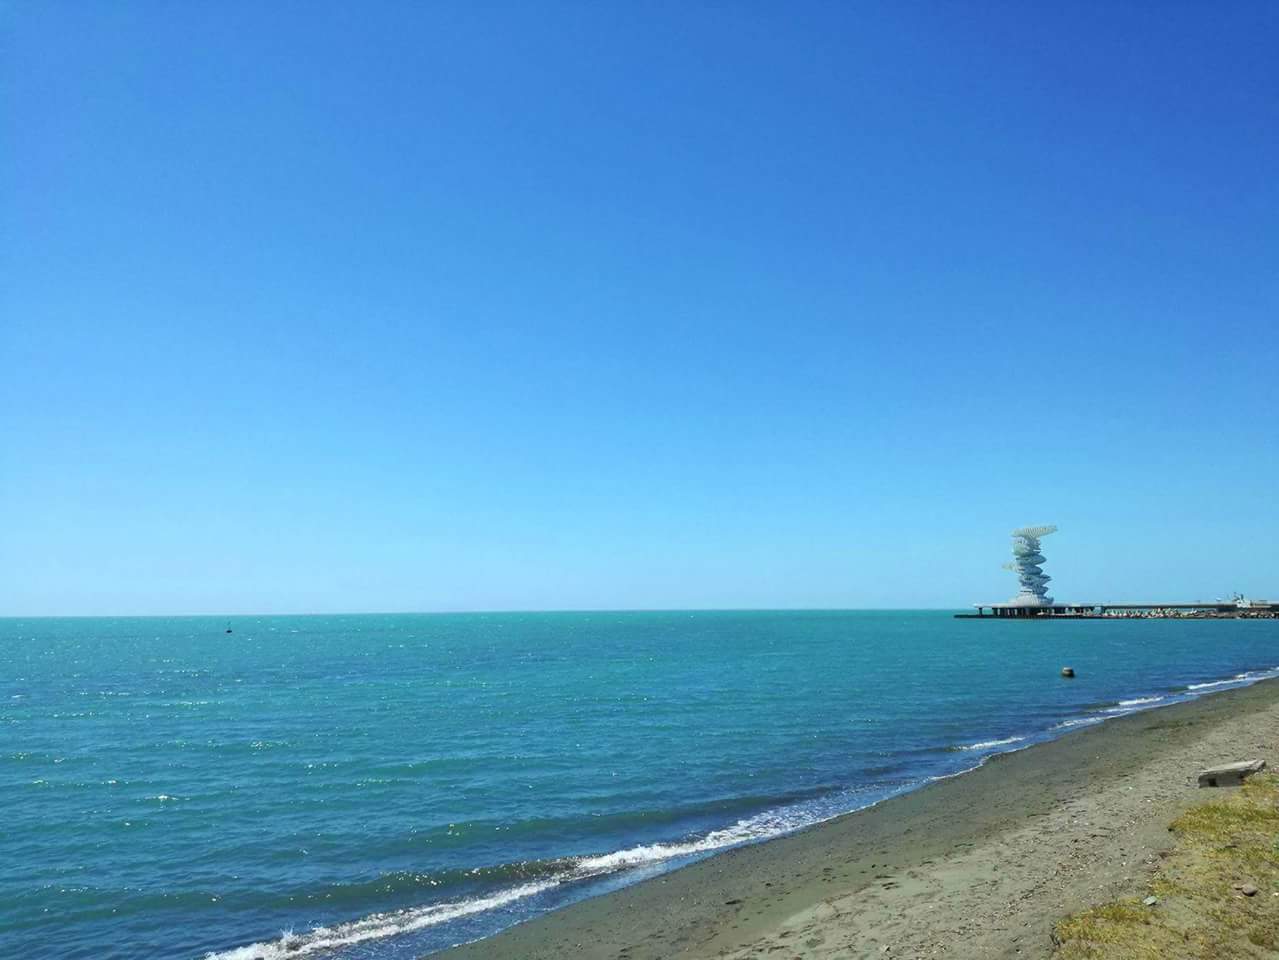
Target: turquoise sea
[[384, 786]]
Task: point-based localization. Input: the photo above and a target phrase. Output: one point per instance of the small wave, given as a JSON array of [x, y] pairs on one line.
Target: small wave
[[1236, 679], [1078, 722], [1132, 706], [1139, 701], [376, 926], [1247, 677], [1189, 690], [988, 744], [752, 829]]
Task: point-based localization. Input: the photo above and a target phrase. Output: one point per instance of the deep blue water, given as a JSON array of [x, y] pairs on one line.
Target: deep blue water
[[405, 782]]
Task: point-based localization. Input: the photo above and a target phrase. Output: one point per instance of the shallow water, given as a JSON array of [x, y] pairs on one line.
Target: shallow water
[[384, 786]]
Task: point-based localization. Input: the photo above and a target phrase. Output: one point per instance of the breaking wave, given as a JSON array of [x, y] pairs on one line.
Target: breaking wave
[[990, 744], [1237, 678], [1139, 701], [1078, 722], [376, 927], [764, 826]]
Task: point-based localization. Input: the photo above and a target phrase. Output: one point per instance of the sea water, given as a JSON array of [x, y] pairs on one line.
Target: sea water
[[382, 786]]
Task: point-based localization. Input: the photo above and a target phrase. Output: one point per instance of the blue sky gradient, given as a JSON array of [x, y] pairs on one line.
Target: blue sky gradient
[[320, 307]]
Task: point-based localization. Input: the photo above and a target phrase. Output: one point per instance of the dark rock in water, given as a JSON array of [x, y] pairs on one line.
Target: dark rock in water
[[1067, 671]]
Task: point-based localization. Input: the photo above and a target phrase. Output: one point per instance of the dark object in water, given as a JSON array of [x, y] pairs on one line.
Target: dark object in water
[[228, 629], [1065, 671]]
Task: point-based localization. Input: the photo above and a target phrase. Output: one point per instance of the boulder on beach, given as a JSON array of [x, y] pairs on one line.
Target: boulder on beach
[[1230, 774]]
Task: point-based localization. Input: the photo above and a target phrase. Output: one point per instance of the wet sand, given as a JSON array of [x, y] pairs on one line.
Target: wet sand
[[976, 866]]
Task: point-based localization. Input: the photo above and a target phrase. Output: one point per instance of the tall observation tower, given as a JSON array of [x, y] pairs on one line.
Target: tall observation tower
[[1028, 565]]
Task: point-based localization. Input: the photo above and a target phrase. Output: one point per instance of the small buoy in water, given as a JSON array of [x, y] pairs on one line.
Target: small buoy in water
[[1067, 671]]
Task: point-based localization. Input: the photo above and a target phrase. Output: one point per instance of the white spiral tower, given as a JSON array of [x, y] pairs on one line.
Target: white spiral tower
[[1028, 565]]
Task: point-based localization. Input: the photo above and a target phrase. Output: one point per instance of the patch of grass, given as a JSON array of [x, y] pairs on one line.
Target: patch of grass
[[1108, 923], [1202, 914]]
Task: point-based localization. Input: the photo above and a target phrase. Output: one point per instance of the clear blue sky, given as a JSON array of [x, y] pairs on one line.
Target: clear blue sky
[[317, 307]]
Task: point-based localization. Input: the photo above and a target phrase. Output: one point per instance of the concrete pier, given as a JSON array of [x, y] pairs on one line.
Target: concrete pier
[[1123, 611]]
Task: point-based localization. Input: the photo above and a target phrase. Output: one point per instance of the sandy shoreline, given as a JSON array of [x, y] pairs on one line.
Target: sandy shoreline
[[979, 865]]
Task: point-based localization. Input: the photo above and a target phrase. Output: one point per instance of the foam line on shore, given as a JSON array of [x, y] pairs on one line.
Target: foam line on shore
[[764, 826], [1239, 679], [377, 926], [1180, 694], [990, 744], [1137, 702]]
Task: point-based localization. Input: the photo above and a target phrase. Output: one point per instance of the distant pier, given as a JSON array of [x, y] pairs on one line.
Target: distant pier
[[1033, 602], [1248, 609]]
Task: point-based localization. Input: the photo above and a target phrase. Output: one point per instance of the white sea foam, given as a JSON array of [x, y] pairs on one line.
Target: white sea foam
[[380, 925], [1237, 678], [1132, 706], [1139, 701], [987, 744], [376, 926], [1191, 689], [1078, 722], [752, 829]]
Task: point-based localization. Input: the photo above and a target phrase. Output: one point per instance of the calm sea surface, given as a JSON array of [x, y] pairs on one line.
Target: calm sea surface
[[384, 786]]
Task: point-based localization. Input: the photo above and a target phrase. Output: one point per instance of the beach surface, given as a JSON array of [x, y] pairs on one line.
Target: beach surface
[[979, 865]]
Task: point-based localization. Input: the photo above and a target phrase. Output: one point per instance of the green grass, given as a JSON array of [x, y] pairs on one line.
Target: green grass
[[1226, 842]]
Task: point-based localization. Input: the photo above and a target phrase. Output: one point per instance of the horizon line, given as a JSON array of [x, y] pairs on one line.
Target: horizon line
[[415, 613]]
